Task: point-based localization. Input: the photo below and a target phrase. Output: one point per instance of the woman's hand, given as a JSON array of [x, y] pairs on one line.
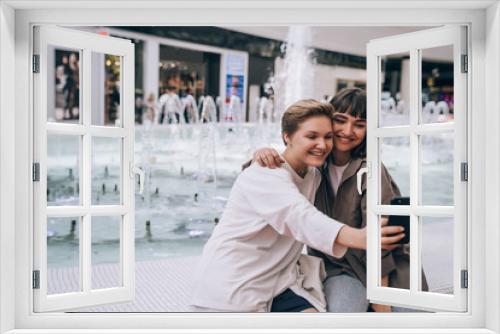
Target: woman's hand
[[356, 238], [390, 235], [268, 157]]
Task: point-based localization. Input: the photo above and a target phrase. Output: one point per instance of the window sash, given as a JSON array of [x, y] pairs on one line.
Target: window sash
[[413, 43], [86, 43]]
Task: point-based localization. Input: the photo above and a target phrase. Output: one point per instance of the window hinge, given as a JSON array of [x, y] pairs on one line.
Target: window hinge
[[36, 279], [36, 63], [465, 66], [465, 279], [36, 172], [464, 171]]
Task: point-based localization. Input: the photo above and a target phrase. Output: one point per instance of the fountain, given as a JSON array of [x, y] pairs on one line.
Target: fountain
[[148, 159], [207, 167], [295, 80]]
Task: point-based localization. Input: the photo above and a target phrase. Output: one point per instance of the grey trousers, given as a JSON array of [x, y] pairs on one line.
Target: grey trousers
[[346, 294]]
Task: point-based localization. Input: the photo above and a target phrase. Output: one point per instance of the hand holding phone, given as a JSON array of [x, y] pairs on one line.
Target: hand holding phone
[[390, 235], [403, 221]]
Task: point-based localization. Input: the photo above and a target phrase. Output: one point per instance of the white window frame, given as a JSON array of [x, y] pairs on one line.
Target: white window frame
[[17, 18], [86, 43], [414, 43]]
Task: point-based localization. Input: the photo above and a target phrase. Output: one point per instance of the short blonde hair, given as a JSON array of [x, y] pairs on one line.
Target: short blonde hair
[[300, 111]]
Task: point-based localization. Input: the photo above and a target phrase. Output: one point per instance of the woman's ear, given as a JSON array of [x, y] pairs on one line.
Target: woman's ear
[[286, 138]]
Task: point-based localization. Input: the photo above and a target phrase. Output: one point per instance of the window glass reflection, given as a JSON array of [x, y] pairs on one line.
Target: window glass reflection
[[63, 85]]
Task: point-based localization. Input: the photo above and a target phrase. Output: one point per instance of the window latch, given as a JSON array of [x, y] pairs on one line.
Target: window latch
[[359, 176], [133, 169]]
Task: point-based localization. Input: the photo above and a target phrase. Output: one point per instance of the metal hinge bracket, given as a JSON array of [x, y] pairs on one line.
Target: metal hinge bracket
[[36, 279], [36, 63], [464, 171], [465, 65], [465, 279], [36, 172]]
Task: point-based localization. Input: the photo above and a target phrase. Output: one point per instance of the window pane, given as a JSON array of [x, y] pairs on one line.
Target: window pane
[[183, 195], [106, 263], [63, 255], [395, 90], [63, 85], [436, 152], [106, 170], [437, 253], [437, 84], [63, 170], [400, 257], [395, 156], [106, 89]]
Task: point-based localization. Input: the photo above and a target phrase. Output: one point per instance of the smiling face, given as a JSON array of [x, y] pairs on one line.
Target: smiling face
[[349, 131], [311, 143]]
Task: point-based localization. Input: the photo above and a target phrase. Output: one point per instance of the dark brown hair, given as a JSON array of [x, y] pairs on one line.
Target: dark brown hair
[[299, 112], [352, 101]]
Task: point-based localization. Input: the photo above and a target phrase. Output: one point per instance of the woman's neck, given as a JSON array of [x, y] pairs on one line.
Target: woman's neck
[[340, 158], [299, 167]]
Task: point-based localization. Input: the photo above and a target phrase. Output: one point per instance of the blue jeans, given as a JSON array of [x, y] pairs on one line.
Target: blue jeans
[[346, 294]]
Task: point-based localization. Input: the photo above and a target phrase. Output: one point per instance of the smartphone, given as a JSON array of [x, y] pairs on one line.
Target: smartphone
[[401, 220]]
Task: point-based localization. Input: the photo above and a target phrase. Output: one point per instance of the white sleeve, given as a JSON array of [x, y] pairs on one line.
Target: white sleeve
[[195, 108], [193, 101], [179, 103], [272, 194], [159, 103]]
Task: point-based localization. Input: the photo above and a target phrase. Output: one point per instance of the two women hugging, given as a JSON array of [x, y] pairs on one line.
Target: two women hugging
[[255, 260]]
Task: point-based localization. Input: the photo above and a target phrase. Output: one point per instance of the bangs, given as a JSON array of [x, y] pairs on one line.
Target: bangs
[[357, 108], [350, 101]]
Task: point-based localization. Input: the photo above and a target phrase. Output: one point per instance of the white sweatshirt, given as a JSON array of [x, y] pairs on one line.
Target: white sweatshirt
[[252, 254]]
